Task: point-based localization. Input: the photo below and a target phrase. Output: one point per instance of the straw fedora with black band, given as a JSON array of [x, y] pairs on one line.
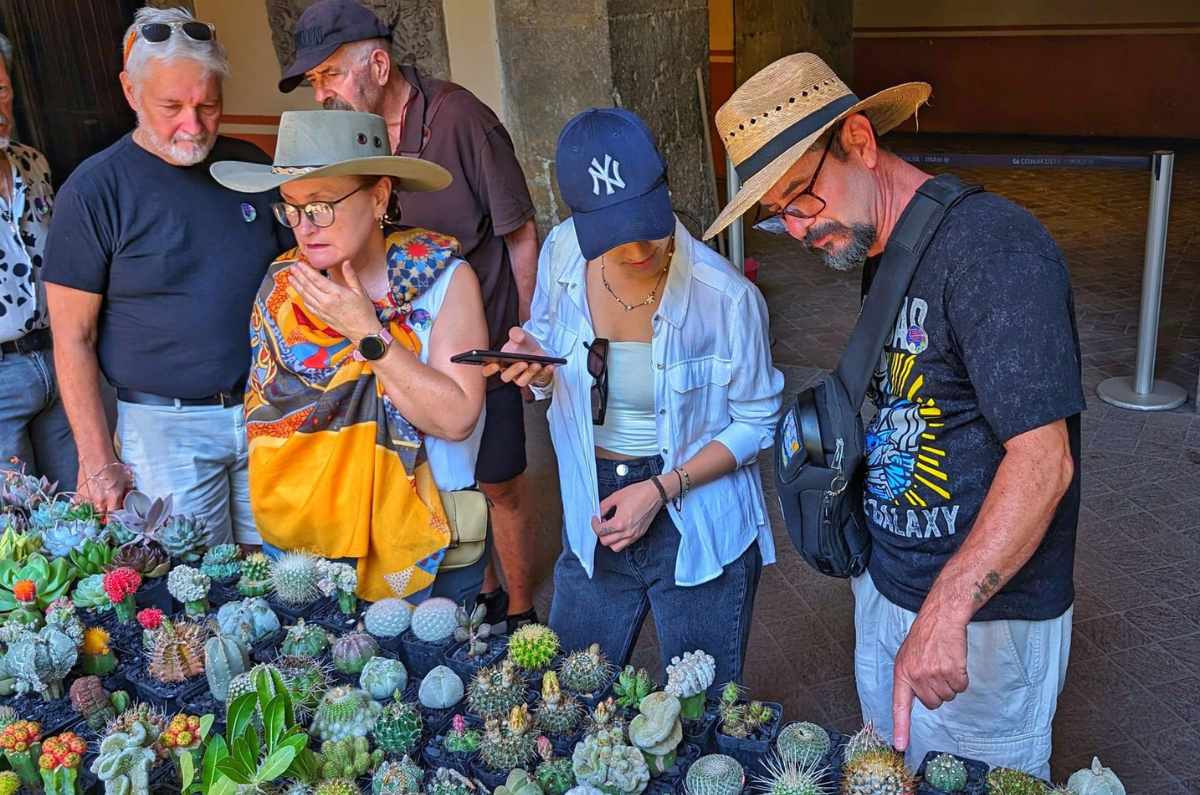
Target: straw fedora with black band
[[779, 113], [331, 143]]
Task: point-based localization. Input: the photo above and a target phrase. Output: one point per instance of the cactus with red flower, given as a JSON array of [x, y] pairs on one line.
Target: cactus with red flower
[[59, 763], [120, 585], [19, 741], [25, 594], [151, 619]]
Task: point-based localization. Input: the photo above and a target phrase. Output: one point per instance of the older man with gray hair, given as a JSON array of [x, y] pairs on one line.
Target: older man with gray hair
[[151, 270], [33, 426]]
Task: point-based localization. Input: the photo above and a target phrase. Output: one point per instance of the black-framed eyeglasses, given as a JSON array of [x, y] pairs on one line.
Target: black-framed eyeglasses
[[597, 367], [158, 32], [803, 206], [319, 213]]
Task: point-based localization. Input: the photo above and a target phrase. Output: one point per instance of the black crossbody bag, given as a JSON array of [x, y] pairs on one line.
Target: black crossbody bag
[[820, 443]]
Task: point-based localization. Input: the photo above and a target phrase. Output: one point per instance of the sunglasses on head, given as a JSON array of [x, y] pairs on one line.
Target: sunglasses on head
[[158, 32], [597, 367]]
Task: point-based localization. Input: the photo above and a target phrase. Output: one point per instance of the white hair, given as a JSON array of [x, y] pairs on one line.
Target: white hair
[[209, 54], [6, 52]]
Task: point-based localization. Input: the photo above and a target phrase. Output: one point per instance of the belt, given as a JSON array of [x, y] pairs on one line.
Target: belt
[[147, 399], [38, 340]]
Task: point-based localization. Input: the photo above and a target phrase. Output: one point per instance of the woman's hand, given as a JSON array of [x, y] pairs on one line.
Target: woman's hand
[[521, 373], [346, 310], [630, 512]]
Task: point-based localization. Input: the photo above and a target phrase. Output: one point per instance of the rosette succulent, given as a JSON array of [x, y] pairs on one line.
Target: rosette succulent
[[222, 562], [148, 560], [139, 519], [182, 537]]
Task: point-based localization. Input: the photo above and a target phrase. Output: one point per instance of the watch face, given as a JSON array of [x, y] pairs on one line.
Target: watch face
[[372, 348]]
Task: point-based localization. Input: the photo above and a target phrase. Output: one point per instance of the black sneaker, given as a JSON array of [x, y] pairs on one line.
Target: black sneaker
[[514, 622], [496, 603]]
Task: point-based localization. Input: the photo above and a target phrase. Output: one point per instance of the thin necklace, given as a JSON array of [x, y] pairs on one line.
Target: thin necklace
[[649, 299]]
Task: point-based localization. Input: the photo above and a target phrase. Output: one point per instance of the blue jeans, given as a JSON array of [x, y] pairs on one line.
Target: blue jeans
[[199, 455], [460, 585], [610, 607], [33, 424]]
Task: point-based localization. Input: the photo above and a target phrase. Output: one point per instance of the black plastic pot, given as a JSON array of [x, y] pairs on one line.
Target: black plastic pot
[[267, 648], [564, 745], [154, 593], [749, 751], [534, 678], [436, 721], [220, 593], [308, 612], [671, 780], [976, 776], [160, 694], [420, 657], [435, 755], [201, 702], [488, 777], [590, 700], [332, 618], [699, 732], [54, 716], [456, 658]]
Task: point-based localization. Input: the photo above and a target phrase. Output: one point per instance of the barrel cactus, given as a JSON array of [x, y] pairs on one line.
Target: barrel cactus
[[1006, 781], [532, 647], [383, 677], [441, 688], [879, 772], [177, 653], [182, 537], [865, 741], [225, 656], [688, 678], [294, 578], [398, 728], [401, 777], [190, 587], [554, 776], [586, 671], [607, 763], [345, 712], [336, 786], [946, 772], [256, 575], [352, 650], [39, 662], [508, 743], [388, 618], [802, 743], [788, 777], [304, 640], [495, 690], [433, 621], [222, 562], [307, 680], [715, 774], [10, 782], [558, 713], [348, 758], [1095, 780], [657, 730], [250, 619]]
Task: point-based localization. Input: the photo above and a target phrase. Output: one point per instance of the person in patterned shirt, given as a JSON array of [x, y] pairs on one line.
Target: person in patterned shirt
[[34, 432]]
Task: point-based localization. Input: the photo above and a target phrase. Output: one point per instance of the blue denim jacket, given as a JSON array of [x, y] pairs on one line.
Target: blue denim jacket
[[713, 379]]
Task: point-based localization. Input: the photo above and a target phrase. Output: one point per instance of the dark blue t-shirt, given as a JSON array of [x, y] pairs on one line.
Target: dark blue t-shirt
[[984, 348], [178, 259]]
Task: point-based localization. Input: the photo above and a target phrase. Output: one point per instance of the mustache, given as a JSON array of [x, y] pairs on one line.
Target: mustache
[[818, 231], [336, 103]]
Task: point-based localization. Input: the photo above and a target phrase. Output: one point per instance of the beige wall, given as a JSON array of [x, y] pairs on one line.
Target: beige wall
[[475, 50], [720, 25], [956, 13]]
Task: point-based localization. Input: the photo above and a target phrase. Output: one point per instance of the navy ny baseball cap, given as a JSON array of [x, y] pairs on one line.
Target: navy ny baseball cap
[[322, 28], [613, 178]]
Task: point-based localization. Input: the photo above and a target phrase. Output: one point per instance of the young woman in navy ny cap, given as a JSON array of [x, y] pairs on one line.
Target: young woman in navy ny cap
[[658, 417]]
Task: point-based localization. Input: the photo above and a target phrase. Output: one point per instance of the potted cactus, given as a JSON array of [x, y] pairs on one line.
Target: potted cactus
[[474, 646], [174, 663], [26, 612], [222, 564], [555, 775], [588, 674], [745, 730], [558, 714], [398, 728], [189, 587], [351, 652], [715, 774], [495, 690], [256, 575], [95, 656], [339, 581], [943, 773], [605, 761], [507, 744], [20, 741], [59, 763], [252, 621], [439, 693], [95, 704], [429, 636], [183, 739], [533, 648], [455, 749], [39, 661], [384, 678], [51, 579], [632, 686], [657, 731], [120, 585], [345, 712], [294, 584]]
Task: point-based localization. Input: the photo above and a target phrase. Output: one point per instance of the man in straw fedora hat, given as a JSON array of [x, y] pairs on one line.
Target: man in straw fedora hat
[[971, 492]]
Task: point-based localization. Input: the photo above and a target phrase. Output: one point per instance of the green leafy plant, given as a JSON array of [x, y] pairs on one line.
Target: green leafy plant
[[91, 558], [248, 760]]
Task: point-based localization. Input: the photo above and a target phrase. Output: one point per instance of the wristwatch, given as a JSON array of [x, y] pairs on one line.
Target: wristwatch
[[374, 347]]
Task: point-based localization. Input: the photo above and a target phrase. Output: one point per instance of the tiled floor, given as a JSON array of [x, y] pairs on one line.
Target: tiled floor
[[1133, 687]]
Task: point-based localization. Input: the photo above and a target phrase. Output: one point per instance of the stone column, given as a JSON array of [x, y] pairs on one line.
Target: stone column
[[766, 30], [418, 37], [559, 59]]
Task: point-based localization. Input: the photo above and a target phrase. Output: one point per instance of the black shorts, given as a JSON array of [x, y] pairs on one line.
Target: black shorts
[[502, 448]]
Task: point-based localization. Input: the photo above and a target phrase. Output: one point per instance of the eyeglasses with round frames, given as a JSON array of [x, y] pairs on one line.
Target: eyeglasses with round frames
[[320, 214]]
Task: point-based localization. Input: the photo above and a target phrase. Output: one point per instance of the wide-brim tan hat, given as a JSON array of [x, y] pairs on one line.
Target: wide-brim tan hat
[[331, 143], [779, 113]]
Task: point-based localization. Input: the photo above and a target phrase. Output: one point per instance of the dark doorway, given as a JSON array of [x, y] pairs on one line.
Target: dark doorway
[[67, 54]]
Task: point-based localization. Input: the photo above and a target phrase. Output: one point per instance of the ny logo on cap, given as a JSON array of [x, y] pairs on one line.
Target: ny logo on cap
[[599, 174]]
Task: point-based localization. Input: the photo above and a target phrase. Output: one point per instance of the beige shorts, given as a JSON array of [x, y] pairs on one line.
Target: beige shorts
[[1016, 669]]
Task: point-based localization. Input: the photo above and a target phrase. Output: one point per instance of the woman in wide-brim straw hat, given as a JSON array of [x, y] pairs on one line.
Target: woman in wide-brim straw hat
[[776, 117], [354, 413]]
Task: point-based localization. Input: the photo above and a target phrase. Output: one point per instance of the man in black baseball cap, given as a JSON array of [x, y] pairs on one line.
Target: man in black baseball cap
[[344, 52]]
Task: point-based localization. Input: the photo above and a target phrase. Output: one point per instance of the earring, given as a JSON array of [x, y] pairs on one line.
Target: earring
[[381, 222]]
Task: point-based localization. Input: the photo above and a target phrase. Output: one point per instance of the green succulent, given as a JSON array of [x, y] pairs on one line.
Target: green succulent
[[803, 743], [93, 557], [348, 758], [51, 578], [398, 728], [946, 772], [532, 647], [632, 686], [1006, 781]]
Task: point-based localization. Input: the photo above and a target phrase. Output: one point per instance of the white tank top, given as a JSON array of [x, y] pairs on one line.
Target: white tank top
[[452, 463], [629, 424]]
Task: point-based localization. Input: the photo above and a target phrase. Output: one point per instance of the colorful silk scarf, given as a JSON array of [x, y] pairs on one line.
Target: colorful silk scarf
[[334, 468]]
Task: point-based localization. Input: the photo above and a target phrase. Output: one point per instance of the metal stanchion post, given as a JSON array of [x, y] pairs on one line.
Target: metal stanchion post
[[1142, 392], [737, 247]]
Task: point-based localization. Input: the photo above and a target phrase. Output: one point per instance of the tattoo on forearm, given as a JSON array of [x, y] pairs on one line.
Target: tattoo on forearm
[[986, 587]]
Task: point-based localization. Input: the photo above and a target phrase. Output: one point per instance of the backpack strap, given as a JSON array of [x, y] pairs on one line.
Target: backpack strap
[[909, 241]]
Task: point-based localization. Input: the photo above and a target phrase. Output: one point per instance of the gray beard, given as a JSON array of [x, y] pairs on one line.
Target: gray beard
[[861, 238], [333, 103], [176, 152]]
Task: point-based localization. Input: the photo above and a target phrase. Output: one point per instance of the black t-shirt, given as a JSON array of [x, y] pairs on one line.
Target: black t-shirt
[[985, 348], [178, 259]]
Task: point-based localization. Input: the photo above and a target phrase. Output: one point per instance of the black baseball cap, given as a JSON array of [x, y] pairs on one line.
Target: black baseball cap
[[322, 28]]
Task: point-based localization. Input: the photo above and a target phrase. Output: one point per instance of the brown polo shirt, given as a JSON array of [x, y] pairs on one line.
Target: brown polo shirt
[[448, 125]]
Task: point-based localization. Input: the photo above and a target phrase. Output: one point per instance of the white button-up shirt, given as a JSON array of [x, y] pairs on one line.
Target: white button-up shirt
[[713, 379], [24, 223]]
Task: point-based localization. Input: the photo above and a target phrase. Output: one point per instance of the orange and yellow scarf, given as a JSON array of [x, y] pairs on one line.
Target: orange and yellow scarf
[[334, 468]]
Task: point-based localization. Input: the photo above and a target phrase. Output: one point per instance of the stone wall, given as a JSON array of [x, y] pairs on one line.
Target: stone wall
[[766, 30], [419, 35], [640, 54]]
